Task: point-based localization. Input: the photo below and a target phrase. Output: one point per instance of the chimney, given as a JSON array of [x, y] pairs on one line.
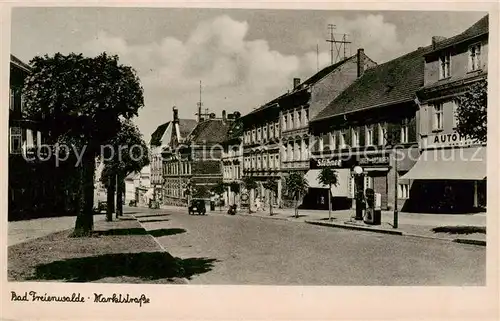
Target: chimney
[[224, 115], [176, 114], [436, 40], [296, 82], [361, 61]]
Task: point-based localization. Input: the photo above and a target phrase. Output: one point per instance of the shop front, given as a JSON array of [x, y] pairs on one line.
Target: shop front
[[375, 173], [449, 180]]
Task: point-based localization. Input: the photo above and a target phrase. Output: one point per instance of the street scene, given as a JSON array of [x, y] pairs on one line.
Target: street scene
[[240, 147]]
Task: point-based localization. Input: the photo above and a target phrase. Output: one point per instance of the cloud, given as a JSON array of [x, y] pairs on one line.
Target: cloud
[[237, 74], [377, 37]]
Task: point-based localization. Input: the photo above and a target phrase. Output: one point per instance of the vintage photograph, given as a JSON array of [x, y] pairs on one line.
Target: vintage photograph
[[246, 147]]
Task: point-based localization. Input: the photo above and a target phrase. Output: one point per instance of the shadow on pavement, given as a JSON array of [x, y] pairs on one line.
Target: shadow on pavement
[[153, 215], [460, 229], [141, 231], [144, 265], [151, 221]]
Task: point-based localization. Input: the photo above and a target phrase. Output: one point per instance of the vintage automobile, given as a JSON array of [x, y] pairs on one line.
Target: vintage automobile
[[197, 207], [101, 206]]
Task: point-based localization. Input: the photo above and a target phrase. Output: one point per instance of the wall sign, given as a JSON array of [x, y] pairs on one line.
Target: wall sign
[[354, 160], [451, 139]]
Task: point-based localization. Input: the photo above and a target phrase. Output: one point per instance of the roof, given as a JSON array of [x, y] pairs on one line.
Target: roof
[[479, 28], [209, 131], [304, 85], [18, 63], [390, 83], [186, 126], [158, 134]]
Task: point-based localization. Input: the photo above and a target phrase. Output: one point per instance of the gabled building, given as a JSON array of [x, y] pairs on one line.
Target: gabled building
[[192, 166], [356, 127], [450, 175], [164, 140], [276, 136], [232, 157]]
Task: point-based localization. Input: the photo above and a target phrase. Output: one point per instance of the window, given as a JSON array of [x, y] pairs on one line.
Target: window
[[264, 162], [382, 134], [264, 132], [254, 136], [355, 137], [444, 66], [369, 135], [299, 119], [271, 131], [455, 113], [343, 138], [15, 140], [437, 123], [12, 99], [291, 124], [285, 121], [475, 57], [290, 152], [277, 130], [259, 164], [277, 161], [297, 151], [254, 165], [23, 101], [403, 190], [259, 135], [321, 143], [404, 132], [306, 116]]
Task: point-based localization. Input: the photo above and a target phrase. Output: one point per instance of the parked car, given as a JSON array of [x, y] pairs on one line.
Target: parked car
[[197, 206], [101, 206]]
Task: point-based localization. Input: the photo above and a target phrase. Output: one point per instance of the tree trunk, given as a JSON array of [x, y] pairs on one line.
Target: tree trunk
[[110, 198], [85, 217], [270, 204], [296, 207], [330, 203], [119, 194]]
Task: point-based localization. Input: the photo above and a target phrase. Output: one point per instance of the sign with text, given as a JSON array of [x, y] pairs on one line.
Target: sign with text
[[447, 140], [350, 161]]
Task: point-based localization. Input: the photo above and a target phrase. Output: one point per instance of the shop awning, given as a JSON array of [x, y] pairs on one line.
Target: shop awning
[[342, 188], [458, 163]]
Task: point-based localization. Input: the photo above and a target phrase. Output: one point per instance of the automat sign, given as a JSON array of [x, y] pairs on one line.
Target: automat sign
[[451, 139]]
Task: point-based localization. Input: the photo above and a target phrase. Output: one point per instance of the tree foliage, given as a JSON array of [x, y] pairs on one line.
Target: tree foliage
[[80, 101], [271, 185], [296, 185], [250, 183], [328, 177], [471, 111], [219, 188]]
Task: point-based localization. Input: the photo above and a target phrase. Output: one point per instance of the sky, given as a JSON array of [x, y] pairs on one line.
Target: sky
[[243, 57]]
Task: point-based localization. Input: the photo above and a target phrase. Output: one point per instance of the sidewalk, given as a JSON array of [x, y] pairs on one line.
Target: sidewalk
[[464, 228], [26, 230]]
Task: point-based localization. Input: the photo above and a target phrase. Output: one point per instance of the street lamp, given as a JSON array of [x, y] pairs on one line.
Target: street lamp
[[358, 174]]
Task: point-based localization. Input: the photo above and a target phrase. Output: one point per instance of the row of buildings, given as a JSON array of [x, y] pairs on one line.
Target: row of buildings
[[352, 113]]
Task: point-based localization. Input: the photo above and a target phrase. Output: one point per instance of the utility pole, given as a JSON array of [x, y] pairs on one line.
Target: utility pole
[[342, 44]]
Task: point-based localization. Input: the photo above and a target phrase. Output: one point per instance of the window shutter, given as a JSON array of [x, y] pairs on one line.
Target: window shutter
[[348, 136], [412, 130], [361, 131]]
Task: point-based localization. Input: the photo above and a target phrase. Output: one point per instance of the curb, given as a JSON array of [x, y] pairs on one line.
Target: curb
[[355, 227], [183, 279]]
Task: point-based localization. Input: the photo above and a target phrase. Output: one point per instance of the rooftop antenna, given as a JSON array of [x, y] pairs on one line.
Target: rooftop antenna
[[342, 44], [200, 104]]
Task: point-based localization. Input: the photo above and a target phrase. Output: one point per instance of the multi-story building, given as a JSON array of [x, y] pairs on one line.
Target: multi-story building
[[162, 140], [193, 166], [276, 135], [356, 127], [450, 175], [232, 158], [261, 148]]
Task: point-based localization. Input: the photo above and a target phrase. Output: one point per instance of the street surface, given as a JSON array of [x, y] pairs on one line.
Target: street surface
[[257, 251]]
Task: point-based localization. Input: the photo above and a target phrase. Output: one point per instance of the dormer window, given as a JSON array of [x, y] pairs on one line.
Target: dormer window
[[475, 57], [444, 66]]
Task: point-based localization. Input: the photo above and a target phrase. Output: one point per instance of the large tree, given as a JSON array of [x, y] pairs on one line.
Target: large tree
[[272, 186], [123, 154], [471, 111], [80, 100], [250, 185]]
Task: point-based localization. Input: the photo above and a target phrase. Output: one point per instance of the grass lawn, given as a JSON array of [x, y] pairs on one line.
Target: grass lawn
[[119, 252]]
